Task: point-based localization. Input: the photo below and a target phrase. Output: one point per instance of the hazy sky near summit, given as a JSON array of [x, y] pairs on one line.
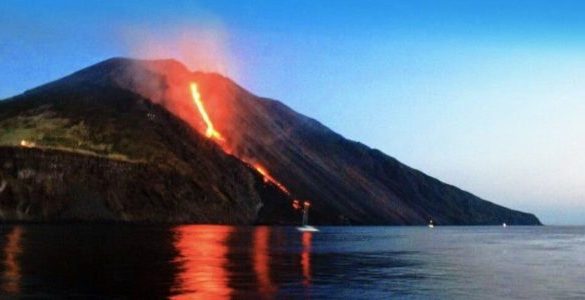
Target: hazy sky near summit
[[485, 95]]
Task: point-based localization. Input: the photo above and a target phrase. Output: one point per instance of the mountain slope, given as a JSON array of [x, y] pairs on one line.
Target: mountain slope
[[346, 181], [102, 153]]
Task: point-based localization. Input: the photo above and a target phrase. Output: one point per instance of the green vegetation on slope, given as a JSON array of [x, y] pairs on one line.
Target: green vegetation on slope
[[44, 129], [104, 122]]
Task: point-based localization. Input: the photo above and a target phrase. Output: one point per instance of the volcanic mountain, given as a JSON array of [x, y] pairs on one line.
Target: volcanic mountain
[[127, 140]]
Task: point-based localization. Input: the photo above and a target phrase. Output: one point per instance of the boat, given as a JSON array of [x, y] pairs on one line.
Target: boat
[[431, 225], [305, 227]]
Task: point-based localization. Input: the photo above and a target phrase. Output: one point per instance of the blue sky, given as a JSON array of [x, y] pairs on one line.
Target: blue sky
[[486, 95]]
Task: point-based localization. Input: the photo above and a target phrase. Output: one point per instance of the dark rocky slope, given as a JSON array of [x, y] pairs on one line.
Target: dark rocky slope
[[345, 179]]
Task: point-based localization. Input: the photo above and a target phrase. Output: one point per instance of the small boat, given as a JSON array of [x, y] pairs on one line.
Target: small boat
[[305, 226], [431, 225]]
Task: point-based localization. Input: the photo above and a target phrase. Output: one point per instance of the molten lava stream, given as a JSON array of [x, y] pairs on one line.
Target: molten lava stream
[[210, 132], [269, 178]]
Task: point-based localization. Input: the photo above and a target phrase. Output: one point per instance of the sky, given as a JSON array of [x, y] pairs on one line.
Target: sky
[[485, 95]]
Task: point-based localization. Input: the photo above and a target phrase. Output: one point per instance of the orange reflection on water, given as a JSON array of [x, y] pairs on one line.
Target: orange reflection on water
[[12, 250], [306, 257], [202, 262], [262, 260]]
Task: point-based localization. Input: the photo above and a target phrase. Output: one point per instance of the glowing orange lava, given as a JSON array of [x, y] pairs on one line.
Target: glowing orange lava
[[210, 132], [269, 178]]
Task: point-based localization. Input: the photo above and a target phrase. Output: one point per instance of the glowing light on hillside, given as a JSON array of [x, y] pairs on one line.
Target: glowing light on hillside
[[28, 144], [210, 132], [296, 205]]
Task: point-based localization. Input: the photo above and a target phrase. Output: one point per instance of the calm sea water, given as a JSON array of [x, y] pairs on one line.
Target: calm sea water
[[215, 262]]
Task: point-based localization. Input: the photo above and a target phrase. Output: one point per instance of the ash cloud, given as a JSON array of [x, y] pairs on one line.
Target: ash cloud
[[203, 48]]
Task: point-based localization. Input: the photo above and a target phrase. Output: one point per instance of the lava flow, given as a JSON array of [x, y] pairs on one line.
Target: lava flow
[[211, 133], [269, 178]]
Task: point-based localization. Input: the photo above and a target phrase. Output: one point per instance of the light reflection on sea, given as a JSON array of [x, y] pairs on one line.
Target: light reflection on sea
[[222, 262]]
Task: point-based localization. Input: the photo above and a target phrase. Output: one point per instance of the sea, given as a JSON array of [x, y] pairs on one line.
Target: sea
[[39, 261]]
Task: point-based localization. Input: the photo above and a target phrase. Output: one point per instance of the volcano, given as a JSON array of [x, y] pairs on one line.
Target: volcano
[[151, 141]]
